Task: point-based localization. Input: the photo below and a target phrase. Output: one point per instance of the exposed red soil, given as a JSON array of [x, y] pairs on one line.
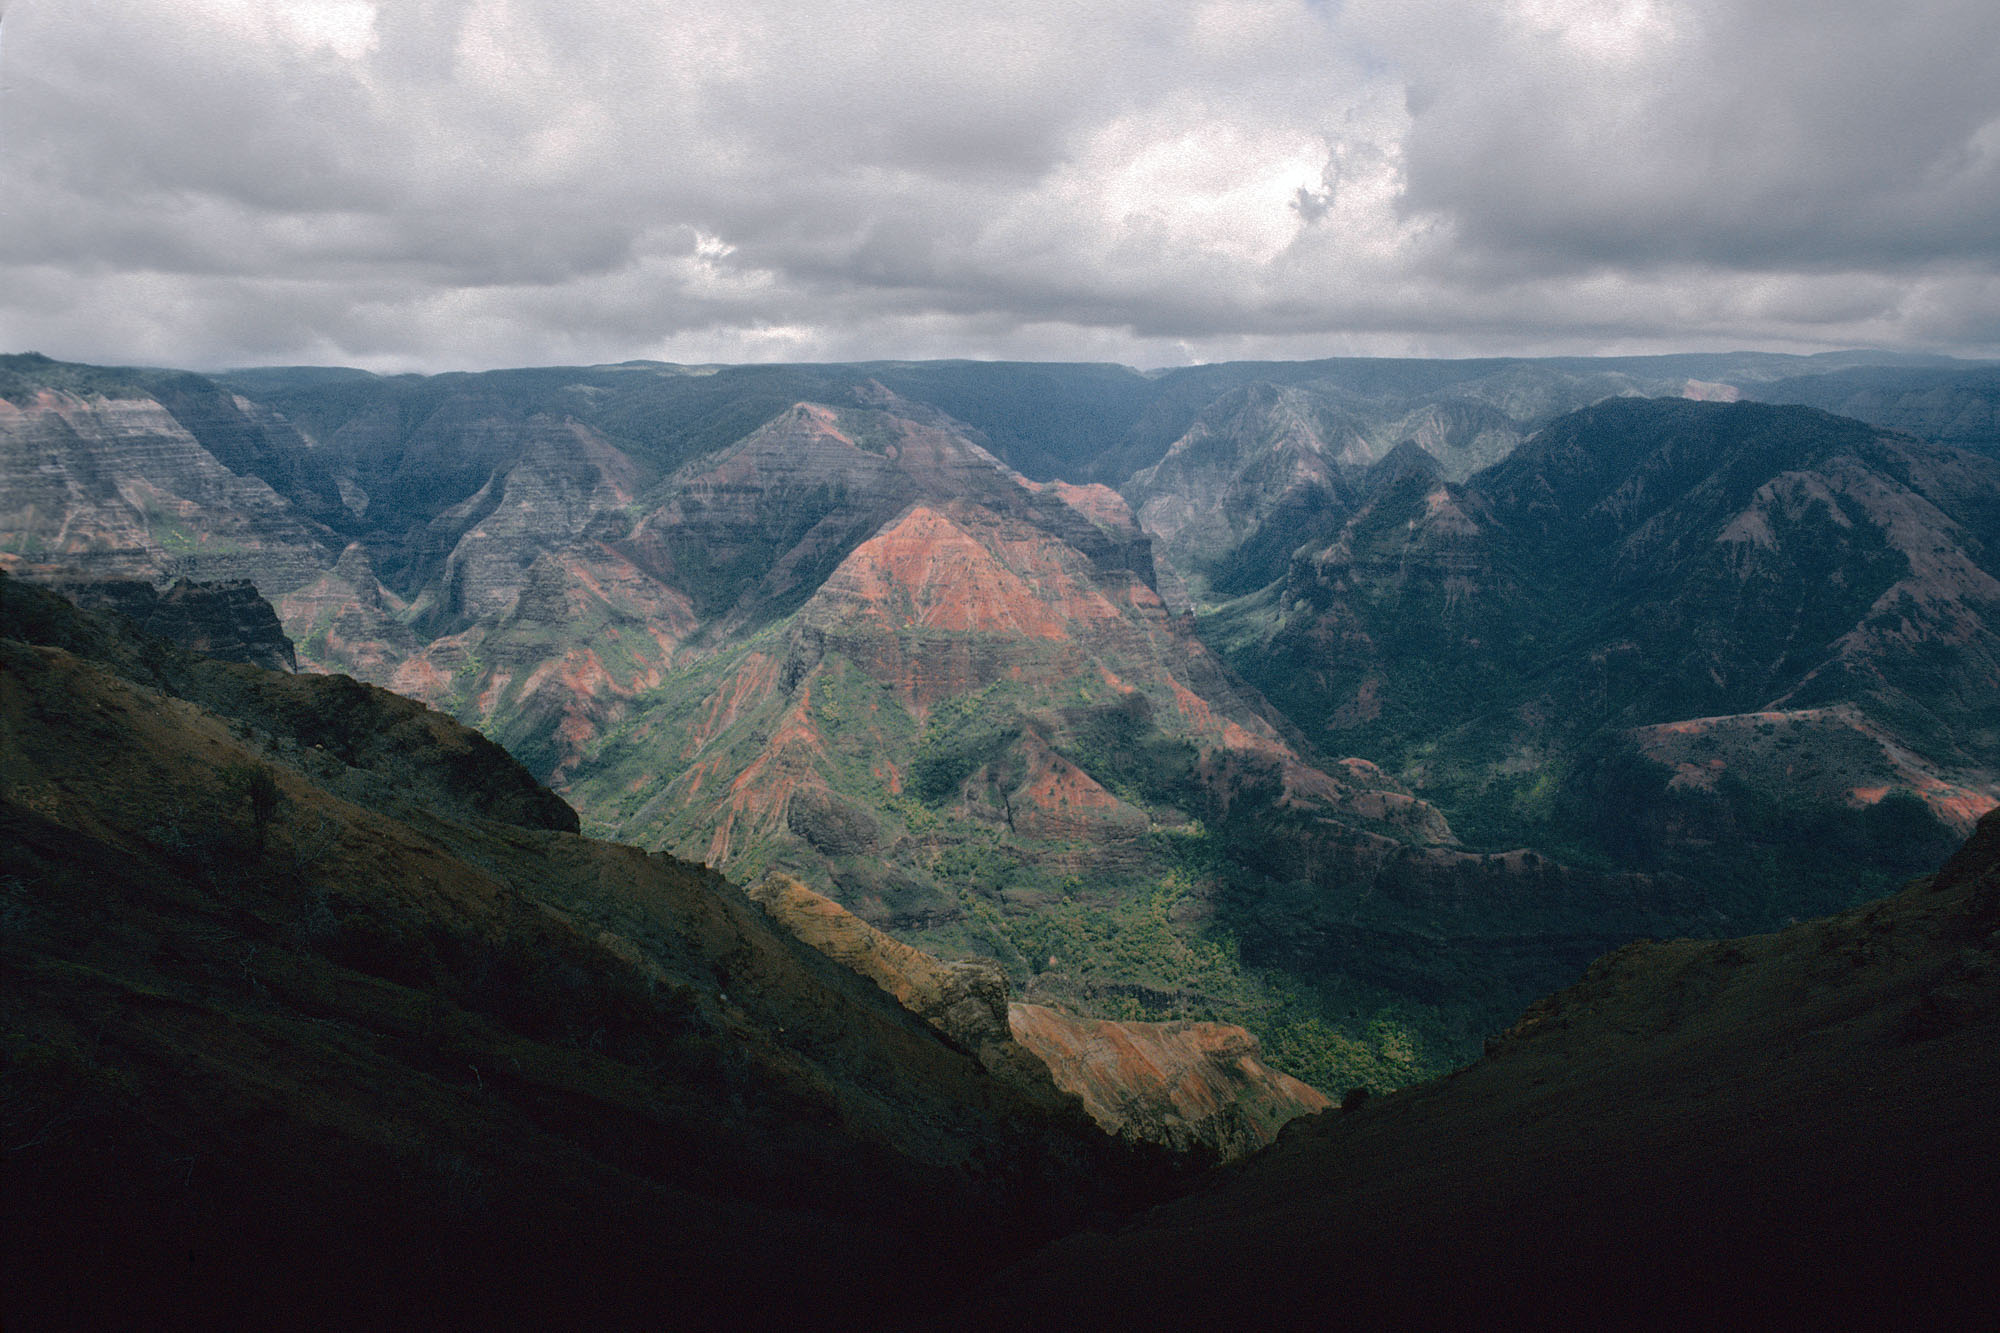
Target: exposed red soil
[[1751, 737], [752, 681], [1179, 1083], [927, 571]]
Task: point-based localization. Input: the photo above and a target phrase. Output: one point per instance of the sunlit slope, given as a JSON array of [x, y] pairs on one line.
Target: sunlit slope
[[985, 731]]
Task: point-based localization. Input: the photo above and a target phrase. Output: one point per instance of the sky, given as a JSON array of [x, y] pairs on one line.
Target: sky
[[459, 184]]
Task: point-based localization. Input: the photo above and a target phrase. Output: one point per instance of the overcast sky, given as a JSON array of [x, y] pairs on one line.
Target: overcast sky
[[436, 184]]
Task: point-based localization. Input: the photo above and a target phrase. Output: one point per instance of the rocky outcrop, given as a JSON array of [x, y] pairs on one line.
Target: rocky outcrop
[[1185, 1086], [950, 599], [1180, 1084], [972, 720], [786, 618], [100, 487], [346, 621], [1271, 466], [566, 487], [1564, 638], [227, 621], [533, 625], [967, 1001], [1257, 452]]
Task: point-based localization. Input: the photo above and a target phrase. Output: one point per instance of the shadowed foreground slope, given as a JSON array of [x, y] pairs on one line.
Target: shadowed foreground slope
[[316, 1014], [1794, 1129]]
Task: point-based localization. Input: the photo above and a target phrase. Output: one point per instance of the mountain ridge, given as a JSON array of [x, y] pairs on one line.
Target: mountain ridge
[[1639, 564], [270, 992], [578, 559]]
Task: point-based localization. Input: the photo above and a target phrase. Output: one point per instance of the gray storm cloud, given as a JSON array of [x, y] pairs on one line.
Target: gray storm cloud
[[478, 182]]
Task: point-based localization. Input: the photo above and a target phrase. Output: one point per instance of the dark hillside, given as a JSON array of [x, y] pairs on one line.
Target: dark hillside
[[1790, 1131], [1714, 639], [314, 1017], [1957, 405]]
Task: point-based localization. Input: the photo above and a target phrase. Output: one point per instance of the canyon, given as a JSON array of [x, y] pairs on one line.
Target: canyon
[[947, 806], [391, 1041], [1356, 703]]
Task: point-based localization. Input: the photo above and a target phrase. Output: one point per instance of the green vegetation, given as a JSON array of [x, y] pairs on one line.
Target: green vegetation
[[257, 789], [963, 734], [1133, 938], [1497, 672], [1121, 748], [1140, 957]]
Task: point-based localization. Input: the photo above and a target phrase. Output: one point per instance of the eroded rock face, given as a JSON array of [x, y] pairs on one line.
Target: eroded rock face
[[228, 621], [119, 488], [1185, 1086], [1701, 626], [948, 599], [350, 623], [829, 630], [1180, 1084], [1244, 459], [967, 1001], [983, 710]]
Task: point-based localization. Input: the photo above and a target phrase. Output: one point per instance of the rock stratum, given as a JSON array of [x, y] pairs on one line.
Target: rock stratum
[[1684, 637], [228, 621]]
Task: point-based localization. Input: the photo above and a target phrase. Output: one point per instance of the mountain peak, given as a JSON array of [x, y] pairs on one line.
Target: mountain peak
[[926, 571], [1408, 459]]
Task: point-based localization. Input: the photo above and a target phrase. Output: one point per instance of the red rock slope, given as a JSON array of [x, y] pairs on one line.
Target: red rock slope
[[1180, 1084]]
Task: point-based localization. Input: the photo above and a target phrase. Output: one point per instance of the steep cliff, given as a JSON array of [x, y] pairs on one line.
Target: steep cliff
[[981, 729], [103, 481], [1677, 633], [227, 621], [817, 619]]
